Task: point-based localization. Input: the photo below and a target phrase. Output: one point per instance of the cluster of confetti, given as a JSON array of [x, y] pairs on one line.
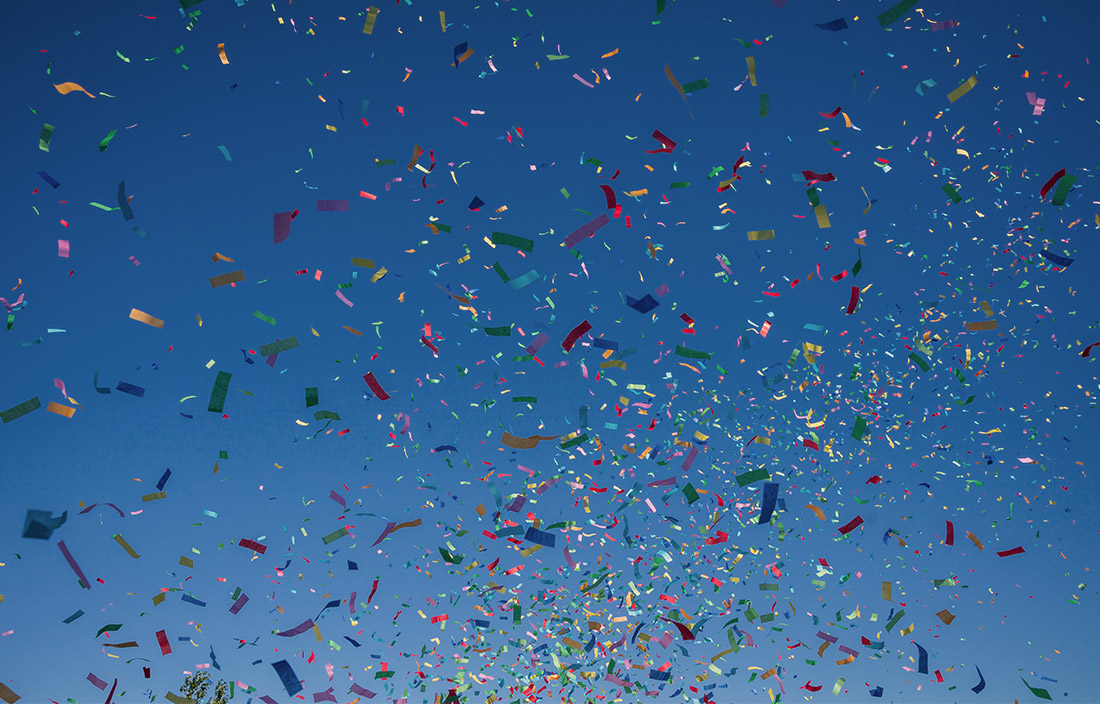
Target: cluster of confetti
[[559, 352]]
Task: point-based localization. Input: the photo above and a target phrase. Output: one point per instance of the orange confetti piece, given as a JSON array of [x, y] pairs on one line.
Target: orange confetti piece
[[68, 87], [143, 317]]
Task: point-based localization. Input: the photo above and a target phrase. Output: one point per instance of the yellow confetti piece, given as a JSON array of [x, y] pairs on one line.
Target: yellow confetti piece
[[126, 546], [961, 90], [221, 54], [751, 63], [372, 15], [756, 235]]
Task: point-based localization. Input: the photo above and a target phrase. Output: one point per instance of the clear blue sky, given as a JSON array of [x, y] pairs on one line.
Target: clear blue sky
[[601, 565]]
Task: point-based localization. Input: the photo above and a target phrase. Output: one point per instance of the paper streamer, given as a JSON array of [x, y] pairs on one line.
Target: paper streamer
[[75, 567], [585, 231], [125, 546]]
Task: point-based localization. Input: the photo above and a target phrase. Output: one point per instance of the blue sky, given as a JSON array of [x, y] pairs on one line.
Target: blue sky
[[858, 291]]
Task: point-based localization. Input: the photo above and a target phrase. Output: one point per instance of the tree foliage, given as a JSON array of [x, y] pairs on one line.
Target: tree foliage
[[197, 685]]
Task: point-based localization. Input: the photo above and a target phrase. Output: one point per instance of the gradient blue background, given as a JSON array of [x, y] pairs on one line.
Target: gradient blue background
[[1030, 615]]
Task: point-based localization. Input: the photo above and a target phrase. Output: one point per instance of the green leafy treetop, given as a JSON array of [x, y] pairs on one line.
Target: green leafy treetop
[[196, 686]]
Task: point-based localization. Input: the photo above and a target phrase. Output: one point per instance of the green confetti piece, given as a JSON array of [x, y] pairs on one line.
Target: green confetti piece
[[521, 243], [894, 621], [1064, 184], [565, 193], [952, 193], [915, 359], [894, 13], [680, 184], [764, 105], [218, 393], [107, 140], [311, 396], [755, 475], [45, 137], [691, 354], [524, 279], [335, 535], [263, 317], [279, 346], [690, 493], [502, 331], [500, 272], [385, 162], [326, 415], [525, 399], [861, 426], [583, 437], [21, 410], [696, 85], [451, 558]]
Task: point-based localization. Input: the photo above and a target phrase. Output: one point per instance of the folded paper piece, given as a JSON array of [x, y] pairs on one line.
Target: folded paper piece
[[572, 337], [42, 524], [963, 89]]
